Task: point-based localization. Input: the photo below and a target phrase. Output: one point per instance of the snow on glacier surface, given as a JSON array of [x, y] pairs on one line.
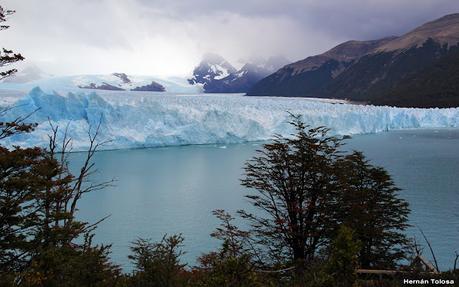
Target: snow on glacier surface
[[66, 84], [136, 119]]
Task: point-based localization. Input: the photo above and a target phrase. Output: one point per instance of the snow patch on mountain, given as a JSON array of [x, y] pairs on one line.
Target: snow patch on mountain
[[212, 68], [216, 75], [220, 72]]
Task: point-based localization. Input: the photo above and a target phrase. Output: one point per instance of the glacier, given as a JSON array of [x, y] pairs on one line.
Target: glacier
[[65, 84], [136, 119]]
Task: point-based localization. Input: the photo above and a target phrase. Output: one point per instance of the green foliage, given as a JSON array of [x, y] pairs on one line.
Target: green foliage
[[234, 240], [305, 187], [39, 233], [217, 269], [343, 260], [369, 205], [38, 228], [233, 264], [17, 183], [72, 266], [158, 264], [294, 183]]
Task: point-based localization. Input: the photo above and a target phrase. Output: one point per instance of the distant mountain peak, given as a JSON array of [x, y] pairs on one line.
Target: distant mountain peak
[[212, 67], [217, 75]]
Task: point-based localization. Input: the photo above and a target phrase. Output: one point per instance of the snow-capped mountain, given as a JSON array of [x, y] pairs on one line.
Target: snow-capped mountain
[[212, 68], [216, 75]]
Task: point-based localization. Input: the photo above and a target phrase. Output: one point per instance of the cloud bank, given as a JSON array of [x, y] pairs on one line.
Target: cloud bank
[[166, 37]]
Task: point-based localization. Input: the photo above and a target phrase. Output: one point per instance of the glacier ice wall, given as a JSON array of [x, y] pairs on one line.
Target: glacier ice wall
[[131, 120]]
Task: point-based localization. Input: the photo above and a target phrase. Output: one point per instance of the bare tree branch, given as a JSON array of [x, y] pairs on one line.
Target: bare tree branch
[[431, 249]]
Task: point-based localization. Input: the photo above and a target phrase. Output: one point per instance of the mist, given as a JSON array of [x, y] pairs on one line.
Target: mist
[[168, 38]]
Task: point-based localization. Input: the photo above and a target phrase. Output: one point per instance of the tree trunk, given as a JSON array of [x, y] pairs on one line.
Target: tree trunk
[[300, 264]]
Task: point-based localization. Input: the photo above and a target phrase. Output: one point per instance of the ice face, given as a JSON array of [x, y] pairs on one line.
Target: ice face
[[130, 119]]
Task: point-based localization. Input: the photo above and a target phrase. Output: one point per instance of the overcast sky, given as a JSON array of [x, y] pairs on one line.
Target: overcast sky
[[167, 37]]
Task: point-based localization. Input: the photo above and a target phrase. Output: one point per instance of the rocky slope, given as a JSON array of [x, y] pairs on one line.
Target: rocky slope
[[391, 71]]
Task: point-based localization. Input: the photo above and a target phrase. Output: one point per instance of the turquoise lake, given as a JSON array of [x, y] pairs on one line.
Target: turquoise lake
[[174, 189]]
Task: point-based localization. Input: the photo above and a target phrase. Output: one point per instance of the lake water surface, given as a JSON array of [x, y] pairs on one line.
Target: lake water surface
[[174, 189]]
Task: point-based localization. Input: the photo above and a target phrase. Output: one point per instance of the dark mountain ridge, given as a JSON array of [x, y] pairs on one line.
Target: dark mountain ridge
[[309, 76], [377, 72]]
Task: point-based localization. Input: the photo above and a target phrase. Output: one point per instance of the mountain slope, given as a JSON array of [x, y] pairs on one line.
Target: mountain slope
[[437, 85], [307, 77], [377, 72], [444, 30], [210, 71]]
